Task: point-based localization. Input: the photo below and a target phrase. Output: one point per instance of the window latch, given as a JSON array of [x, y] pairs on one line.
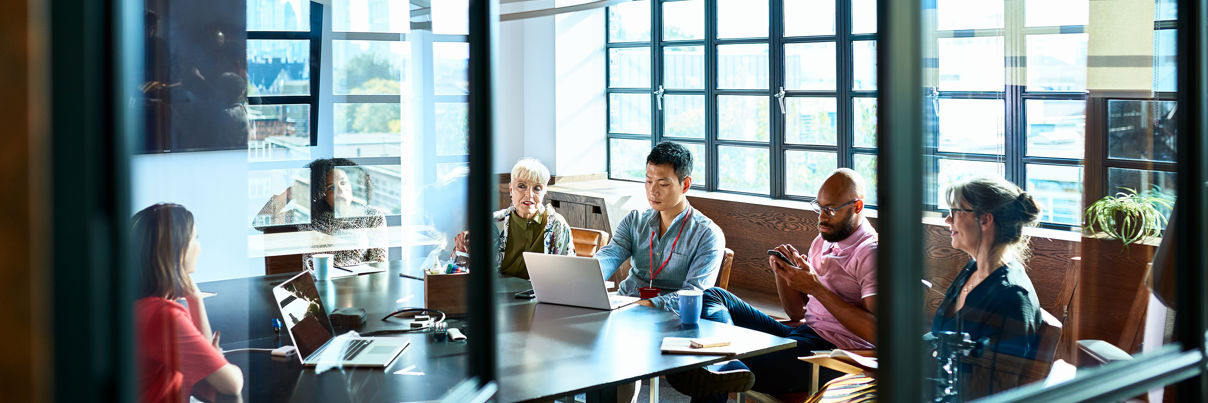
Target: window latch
[[780, 100], [658, 95]]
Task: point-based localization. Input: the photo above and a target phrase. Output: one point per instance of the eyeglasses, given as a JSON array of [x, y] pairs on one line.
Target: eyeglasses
[[831, 210], [953, 210]]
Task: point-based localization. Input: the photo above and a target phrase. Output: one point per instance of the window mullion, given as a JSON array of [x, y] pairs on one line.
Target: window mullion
[[844, 82], [711, 134], [778, 183]]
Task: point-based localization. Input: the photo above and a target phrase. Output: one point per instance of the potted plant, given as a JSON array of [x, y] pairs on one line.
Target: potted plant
[[1128, 216]]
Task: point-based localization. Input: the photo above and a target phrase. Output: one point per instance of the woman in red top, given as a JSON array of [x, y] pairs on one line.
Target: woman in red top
[[176, 350]]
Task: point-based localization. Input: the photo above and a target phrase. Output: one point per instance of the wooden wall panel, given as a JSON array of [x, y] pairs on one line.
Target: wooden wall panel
[[752, 229]]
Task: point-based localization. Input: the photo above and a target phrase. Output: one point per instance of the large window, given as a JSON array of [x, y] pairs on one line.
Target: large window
[[770, 96]]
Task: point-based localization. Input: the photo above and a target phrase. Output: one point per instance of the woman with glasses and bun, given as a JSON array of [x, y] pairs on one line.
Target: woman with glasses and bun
[[178, 355], [992, 298]]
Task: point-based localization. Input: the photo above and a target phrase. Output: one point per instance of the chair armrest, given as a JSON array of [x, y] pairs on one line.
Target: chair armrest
[[1102, 351]]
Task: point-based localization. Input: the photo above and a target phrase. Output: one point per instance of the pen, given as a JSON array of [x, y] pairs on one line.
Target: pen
[[405, 275]]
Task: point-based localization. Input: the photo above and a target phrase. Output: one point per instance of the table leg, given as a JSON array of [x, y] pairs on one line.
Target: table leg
[[814, 379], [654, 390], [607, 394]]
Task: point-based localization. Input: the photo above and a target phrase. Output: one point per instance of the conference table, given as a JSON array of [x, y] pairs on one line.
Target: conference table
[[543, 350]]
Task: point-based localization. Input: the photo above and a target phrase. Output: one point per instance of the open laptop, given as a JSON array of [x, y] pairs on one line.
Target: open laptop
[[571, 280], [306, 320]]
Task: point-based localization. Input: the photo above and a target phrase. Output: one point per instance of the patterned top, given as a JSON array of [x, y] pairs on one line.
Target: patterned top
[[557, 236], [327, 223]]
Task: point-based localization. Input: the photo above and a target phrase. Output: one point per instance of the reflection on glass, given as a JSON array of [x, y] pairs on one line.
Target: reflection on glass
[[810, 66], [629, 22], [971, 64], [684, 116], [866, 166], [387, 188], [627, 158], [1057, 62], [864, 65], [452, 68], [1141, 130], [863, 16], [450, 17], [684, 20], [971, 125], [265, 184], [864, 121], [367, 130], [1056, 128], [809, 17], [629, 67], [1160, 183], [278, 132], [278, 15], [1164, 60], [810, 120], [968, 14], [1166, 10], [629, 113], [742, 66], [370, 16], [805, 171], [369, 67], [1058, 191], [742, 18], [743, 169], [1042, 13], [699, 178], [952, 171], [278, 67], [452, 125], [684, 67], [741, 117]]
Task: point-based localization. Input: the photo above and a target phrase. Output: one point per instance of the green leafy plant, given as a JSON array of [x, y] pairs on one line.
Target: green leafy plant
[[1128, 216]]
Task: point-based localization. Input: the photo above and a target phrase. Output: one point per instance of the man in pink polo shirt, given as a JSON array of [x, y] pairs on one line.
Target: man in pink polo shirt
[[829, 295]]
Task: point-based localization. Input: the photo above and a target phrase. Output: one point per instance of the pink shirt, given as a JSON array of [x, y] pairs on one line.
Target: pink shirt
[[849, 269]]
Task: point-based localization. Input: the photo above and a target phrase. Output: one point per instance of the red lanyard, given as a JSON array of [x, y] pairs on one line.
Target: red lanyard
[[654, 273]]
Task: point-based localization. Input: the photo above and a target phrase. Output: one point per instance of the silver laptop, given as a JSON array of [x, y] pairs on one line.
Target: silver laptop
[[306, 320], [571, 280]]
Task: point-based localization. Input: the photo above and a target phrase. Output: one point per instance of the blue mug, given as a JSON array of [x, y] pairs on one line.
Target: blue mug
[[690, 306]]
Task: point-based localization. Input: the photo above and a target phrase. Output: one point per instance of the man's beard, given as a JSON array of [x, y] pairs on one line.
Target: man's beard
[[843, 232]]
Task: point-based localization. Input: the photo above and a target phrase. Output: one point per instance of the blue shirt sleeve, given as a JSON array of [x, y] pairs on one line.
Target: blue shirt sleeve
[[702, 270], [620, 248]]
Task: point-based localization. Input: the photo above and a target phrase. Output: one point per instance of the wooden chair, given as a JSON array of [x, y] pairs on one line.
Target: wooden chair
[[588, 241], [723, 275]]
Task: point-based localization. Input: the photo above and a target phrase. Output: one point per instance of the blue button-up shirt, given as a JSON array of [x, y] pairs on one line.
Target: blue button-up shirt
[[694, 262]]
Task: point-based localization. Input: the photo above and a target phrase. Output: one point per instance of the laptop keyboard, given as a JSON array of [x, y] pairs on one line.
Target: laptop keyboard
[[354, 348]]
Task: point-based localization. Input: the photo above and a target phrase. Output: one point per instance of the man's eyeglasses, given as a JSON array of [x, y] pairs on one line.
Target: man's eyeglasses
[[831, 210], [954, 210]]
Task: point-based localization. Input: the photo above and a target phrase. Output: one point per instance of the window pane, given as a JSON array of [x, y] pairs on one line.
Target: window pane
[[629, 22], [866, 166], [684, 67], [278, 67], [278, 15], [971, 126], [1058, 191], [742, 66], [1166, 9], [367, 130], [629, 68], [1160, 183], [1141, 130], [952, 171], [452, 123], [264, 184], [864, 121], [1041, 13], [810, 121], [741, 117], [809, 17], [278, 132], [863, 16], [684, 116], [1056, 128], [864, 65], [627, 158], [629, 113], [452, 68], [970, 64], [699, 178], [683, 20], [371, 16], [742, 18], [450, 17], [743, 169], [1057, 62], [809, 66], [369, 67], [968, 14], [805, 171], [1164, 59]]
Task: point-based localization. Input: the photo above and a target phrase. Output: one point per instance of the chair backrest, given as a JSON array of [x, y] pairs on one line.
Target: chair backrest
[[723, 275], [588, 241], [1046, 351]]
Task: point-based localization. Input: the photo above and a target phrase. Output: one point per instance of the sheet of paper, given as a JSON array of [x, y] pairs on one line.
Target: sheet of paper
[[363, 269]]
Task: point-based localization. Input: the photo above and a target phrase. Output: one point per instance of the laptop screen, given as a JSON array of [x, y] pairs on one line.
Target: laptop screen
[[303, 313]]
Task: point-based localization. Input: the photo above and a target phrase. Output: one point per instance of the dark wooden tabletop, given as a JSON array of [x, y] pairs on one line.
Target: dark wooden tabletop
[[544, 350]]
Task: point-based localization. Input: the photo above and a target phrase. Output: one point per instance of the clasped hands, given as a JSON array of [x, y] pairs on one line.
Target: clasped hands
[[801, 278]]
